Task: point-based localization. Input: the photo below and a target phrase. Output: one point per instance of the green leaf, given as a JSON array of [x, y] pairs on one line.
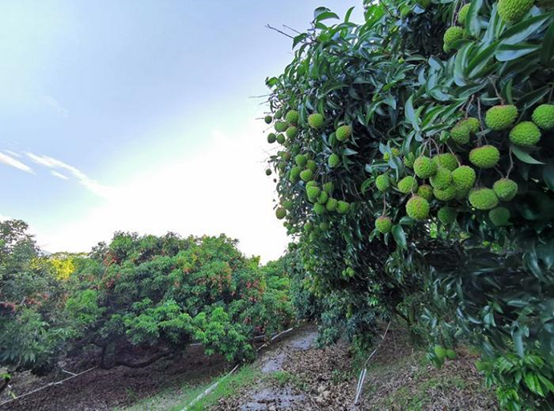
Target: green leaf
[[299, 39], [399, 236], [510, 52], [348, 14], [547, 51], [410, 113], [481, 60], [473, 22], [521, 31], [524, 156]]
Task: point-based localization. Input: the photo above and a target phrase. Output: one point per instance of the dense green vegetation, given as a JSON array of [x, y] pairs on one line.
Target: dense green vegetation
[[135, 300], [415, 171]]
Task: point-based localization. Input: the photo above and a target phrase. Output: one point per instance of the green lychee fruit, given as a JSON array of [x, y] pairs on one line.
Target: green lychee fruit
[[513, 11], [295, 173], [280, 138], [271, 138], [417, 208], [446, 160], [409, 160], [453, 34], [329, 187], [332, 204], [311, 165], [268, 172], [307, 175], [505, 189], [343, 207], [278, 114], [287, 204], [280, 213], [424, 167], [382, 182], [451, 354], [268, 119], [301, 160], [473, 123], [343, 132], [281, 126], [463, 14], [525, 134], [464, 177], [334, 160], [425, 191], [285, 155], [395, 151], [313, 192], [483, 198], [386, 156], [292, 117], [440, 352], [500, 118], [407, 185], [324, 226], [383, 224], [484, 157], [308, 227], [323, 197], [445, 194], [460, 133], [292, 132], [441, 179], [319, 209], [447, 215], [543, 116], [315, 120], [500, 216]]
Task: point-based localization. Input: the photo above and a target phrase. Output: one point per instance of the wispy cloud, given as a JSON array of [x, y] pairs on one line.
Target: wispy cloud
[[55, 164], [12, 162], [12, 153], [55, 104], [59, 175]]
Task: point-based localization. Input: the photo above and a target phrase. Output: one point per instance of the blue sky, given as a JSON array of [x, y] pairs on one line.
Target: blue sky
[[135, 115]]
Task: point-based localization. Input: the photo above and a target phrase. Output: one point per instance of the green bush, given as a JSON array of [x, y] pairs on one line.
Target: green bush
[[409, 98]]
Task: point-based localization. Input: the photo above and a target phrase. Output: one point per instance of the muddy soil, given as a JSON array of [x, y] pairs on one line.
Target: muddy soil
[[101, 390]]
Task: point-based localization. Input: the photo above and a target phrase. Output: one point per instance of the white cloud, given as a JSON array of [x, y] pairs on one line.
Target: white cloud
[[59, 175], [56, 106], [86, 181], [222, 189], [12, 162], [12, 153]]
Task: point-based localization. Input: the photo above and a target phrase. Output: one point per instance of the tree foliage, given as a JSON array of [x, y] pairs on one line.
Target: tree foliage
[[417, 175]]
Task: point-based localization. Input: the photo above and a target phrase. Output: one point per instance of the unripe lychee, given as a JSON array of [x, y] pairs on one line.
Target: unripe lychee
[[447, 215], [500, 216], [543, 116], [315, 120], [292, 117], [445, 194], [271, 138], [500, 117], [343, 207], [407, 185], [292, 132], [301, 160], [483, 198], [383, 224], [417, 208], [463, 14], [295, 173], [473, 123], [281, 126], [311, 165], [323, 197], [525, 134], [425, 191], [505, 189], [307, 175], [424, 167], [268, 119], [319, 209], [343, 132], [332, 204], [382, 182], [334, 160], [441, 179], [453, 34], [312, 192], [464, 177], [287, 204], [268, 172], [409, 160], [329, 187], [280, 213], [513, 11], [484, 156], [460, 133], [447, 160]]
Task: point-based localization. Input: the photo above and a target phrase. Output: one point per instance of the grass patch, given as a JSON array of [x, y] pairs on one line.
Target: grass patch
[[176, 400], [284, 378]]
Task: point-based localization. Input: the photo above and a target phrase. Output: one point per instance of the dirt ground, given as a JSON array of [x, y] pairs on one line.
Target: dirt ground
[[101, 390], [300, 376]]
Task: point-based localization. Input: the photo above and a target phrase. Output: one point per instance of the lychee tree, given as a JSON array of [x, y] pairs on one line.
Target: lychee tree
[[425, 136]]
